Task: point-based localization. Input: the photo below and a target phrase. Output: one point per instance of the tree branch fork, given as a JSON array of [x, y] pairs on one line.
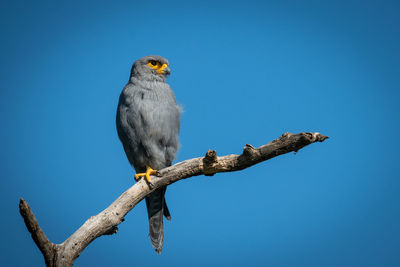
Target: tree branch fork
[[106, 222]]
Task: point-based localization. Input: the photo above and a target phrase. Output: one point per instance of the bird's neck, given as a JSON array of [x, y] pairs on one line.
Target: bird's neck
[[147, 83], [148, 78]]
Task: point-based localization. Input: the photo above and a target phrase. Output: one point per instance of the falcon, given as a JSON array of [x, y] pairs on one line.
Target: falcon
[[148, 121]]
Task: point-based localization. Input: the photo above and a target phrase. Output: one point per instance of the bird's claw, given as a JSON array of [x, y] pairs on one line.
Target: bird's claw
[[149, 171]]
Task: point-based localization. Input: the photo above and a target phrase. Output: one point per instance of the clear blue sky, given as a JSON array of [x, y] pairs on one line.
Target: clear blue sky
[[244, 72]]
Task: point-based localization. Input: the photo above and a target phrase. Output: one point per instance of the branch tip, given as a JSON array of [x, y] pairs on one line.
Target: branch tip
[[46, 247]]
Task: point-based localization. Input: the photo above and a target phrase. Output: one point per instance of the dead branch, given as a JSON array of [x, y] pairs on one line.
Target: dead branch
[[106, 222]]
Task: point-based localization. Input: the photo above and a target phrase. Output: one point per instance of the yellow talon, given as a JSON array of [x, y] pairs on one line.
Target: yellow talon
[[149, 171]]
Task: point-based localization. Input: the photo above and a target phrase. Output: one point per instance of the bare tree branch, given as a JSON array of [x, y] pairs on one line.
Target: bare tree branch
[[106, 222], [46, 247]]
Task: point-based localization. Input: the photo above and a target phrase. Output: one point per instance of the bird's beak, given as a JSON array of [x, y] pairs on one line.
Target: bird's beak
[[164, 69]]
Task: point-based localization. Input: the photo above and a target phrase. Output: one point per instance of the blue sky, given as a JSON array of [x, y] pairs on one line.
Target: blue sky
[[244, 72]]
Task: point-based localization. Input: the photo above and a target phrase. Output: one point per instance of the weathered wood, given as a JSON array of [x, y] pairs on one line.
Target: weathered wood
[[106, 222], [46, 247]]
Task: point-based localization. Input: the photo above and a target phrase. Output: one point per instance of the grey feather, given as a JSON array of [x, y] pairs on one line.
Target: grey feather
[[148, 122]]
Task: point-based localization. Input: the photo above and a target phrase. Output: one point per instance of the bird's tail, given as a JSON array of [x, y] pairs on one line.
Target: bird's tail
[[156, 208]]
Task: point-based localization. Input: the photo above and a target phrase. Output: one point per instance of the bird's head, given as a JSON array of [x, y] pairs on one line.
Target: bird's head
[[151, 68]]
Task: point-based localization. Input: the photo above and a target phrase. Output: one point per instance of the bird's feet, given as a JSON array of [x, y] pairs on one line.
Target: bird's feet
[[149, 171]]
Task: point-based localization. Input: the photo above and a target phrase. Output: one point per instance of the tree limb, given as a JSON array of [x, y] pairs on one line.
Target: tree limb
[[106, 222], [46, 247]]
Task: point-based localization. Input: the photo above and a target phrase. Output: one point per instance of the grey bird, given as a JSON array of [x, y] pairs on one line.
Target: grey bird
[[148, 121]]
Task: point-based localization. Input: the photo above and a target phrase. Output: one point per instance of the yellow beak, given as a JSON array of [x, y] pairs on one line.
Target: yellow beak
[[162, 68]]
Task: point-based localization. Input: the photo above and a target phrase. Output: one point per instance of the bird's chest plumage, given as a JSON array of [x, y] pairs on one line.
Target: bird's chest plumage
[[156, 107], [148, 123]]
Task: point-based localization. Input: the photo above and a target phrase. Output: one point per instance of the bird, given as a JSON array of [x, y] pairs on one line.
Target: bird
[[148, 124]]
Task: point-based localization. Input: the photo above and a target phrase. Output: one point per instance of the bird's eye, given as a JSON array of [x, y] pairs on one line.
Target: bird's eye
[[153, 62]]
